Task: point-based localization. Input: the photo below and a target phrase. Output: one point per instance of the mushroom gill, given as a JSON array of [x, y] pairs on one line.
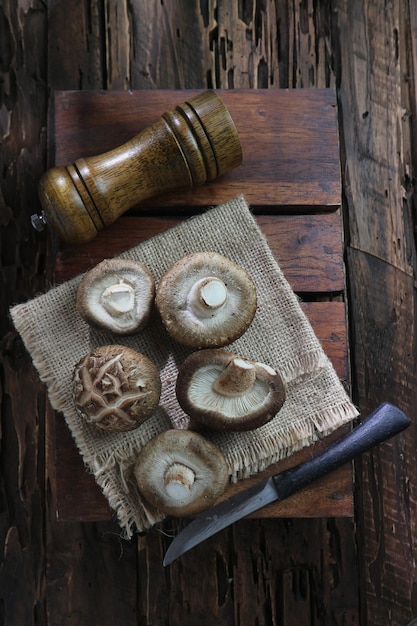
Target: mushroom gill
[[224, 391]]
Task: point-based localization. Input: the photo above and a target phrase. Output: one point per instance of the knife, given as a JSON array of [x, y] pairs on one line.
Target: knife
[[385, 422]]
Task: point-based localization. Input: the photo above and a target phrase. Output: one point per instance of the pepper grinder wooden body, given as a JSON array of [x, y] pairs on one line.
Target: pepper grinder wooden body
[[185, 147]]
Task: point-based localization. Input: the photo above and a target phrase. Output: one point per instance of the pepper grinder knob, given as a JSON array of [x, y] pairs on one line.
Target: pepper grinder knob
[[185, 147]]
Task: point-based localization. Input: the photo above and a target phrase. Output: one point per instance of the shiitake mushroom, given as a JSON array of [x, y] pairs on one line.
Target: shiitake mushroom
[[116, 388], [181, 473], [205, 300], [224, 391], [116, 295]]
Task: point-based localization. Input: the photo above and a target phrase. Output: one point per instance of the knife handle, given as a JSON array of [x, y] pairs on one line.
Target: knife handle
[[385, 422]]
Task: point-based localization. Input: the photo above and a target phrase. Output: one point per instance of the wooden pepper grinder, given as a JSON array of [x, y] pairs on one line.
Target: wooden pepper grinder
[[185, 147]]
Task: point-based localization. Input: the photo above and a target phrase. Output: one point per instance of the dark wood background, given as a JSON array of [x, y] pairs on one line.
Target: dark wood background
[[279, 572]]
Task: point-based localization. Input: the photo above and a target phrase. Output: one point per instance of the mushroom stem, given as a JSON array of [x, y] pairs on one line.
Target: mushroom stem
[[178, 480], [207, 295], [119, 298], [237, 378]]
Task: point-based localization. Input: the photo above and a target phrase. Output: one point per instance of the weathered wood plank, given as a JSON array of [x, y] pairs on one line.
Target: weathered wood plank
[[301, 572], [23, 107], [385, 351], [213, 44], [409, 39], [22, 572], [76, 47], [376, 130], [180, 594], [308, 248], [289, 142], [377, 93], [85, 559], [281, 580], [230, 45], [91, 575]]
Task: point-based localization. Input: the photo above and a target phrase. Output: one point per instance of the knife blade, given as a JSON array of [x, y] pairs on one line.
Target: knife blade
[[383, 423]]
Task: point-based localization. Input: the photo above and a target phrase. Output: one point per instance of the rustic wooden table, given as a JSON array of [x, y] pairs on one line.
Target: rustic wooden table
[[321, 570], [290, 176]]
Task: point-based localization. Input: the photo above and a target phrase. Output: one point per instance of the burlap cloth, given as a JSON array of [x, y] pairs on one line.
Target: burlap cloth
[[280, 336]]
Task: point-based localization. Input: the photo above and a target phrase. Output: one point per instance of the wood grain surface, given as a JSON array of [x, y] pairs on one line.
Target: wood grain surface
[[289, 142], [309, 248], [318, 571]]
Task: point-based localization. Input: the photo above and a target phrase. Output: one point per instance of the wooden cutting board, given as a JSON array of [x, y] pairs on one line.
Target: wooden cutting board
[[290, 176]]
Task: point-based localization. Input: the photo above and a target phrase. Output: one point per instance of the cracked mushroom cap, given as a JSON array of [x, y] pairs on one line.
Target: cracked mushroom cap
[[116, 295], [181, 473], [206, 300], [116, 388], [220, 390]]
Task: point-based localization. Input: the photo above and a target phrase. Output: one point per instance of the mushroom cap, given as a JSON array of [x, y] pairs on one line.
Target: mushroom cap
[[116, 295], [181, 473], [116, 388], [220, 390], [206, 300]]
